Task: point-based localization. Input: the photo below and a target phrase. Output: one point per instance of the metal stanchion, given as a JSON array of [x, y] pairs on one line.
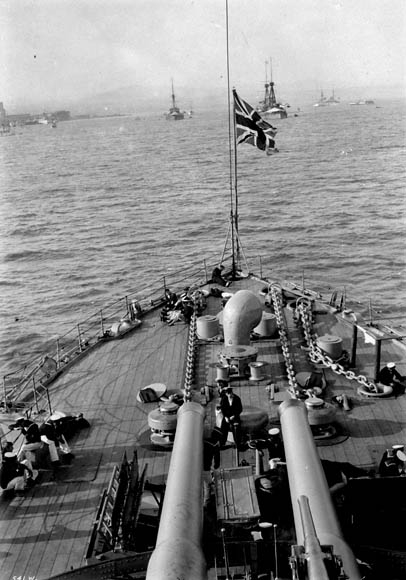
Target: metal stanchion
[[225, 554]]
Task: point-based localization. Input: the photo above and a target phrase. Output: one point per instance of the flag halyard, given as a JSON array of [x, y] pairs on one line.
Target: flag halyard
[[251, 127]]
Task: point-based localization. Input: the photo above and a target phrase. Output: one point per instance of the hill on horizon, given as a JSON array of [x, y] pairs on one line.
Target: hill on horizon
[[136, 100]]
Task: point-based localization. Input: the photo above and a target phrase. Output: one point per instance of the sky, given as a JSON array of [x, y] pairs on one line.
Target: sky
[[62, 51]]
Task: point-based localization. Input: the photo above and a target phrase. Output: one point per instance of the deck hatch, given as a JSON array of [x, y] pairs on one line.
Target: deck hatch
[[236, 499]]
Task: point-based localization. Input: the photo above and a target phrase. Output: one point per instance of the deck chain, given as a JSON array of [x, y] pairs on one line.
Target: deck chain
[[316, 354], [192, 348], [276, 295]]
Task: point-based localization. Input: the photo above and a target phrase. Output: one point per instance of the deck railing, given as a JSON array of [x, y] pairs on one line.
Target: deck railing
[[25, 389], [30, 382]]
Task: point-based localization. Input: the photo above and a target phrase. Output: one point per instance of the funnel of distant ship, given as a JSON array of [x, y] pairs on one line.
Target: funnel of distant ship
[[269, 107]]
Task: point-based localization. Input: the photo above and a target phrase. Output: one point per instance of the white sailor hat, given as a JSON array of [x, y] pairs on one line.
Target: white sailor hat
[[265, 483], [274, 431], [391, 365]]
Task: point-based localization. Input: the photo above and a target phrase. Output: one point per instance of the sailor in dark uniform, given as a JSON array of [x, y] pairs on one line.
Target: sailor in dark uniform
[[211, 452], [389, 376], [16, 475], [275, 445], [231, 407], [185, 305], [32, 438], [50, 436], [211, 461], [217, 276], [170, 302]]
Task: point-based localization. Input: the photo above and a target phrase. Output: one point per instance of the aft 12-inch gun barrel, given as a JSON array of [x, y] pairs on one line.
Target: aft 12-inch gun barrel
[[307, 478], [178, 553], [314, 555]]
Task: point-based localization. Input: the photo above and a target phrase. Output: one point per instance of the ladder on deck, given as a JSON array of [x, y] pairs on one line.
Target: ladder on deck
[[118, 511], [106, 527]]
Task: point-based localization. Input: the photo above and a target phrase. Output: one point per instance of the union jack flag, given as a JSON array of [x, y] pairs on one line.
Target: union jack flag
[[251, 127]]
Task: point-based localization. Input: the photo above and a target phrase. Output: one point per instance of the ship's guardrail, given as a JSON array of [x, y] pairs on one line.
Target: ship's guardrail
[[26, 388]]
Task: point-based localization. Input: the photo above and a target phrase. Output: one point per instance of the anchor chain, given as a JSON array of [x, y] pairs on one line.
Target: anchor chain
[[276, 295], [316, 355], [191, 349]]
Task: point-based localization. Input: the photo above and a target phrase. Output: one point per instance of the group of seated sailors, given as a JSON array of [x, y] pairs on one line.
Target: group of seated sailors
[[177, 308], [180, 308], [44, 446]]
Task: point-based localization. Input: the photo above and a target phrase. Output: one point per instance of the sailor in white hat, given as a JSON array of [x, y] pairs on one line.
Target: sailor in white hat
[[400, 456], [389, 376], [15, 474], [275, 445], [49, 435], [32, 442]]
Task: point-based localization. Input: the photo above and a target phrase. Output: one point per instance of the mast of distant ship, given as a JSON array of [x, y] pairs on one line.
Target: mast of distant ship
[[266, 98], [272, 98], [173, 97]]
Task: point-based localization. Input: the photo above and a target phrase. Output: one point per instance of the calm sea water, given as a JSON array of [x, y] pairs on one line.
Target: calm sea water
[[96, 207]]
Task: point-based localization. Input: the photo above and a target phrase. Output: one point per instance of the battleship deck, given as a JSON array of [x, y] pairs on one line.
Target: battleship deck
[[47, 531]]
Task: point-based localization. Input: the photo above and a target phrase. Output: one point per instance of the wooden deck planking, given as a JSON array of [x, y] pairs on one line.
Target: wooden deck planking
[[367, 423], [33, 531], [67, 549], [116, 419], [103, 385], [11, 545], [370, 422], [51, 528], [23, 523]]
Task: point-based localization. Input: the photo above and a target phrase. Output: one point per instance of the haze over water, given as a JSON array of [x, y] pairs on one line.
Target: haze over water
[[64, 53], [99, 207]]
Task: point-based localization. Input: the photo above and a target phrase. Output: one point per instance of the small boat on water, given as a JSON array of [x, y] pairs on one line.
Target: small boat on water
[[363, 102], [306, 480], [269, 107], [174, 113], [5, 128]]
